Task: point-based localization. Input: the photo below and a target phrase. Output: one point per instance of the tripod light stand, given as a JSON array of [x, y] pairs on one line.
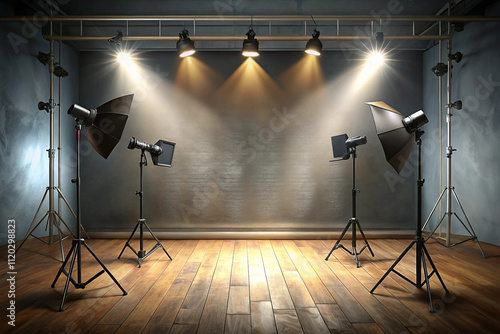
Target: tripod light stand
[[396, 134], [344, 148], [104, 129], [449, 189], [162, 154], [53, 217]]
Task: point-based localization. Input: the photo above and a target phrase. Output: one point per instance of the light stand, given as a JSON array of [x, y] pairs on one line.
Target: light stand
[[450, 189], [396, 134], [354, 222], [76, 246], [141, 254], [52, 215], [419, 241]]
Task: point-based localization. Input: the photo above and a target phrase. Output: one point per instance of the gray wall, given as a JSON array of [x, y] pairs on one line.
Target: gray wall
[[24, 130], [253, 142], [475, 130]]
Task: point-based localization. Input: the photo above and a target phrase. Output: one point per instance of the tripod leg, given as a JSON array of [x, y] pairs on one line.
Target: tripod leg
[[393, 265], [468, 222], [355, 253], [63, 265], [366, 241], [427, 283], [434, 268], [68, 279], [105, 269], [127, 243], [157, 241], [338, 241], [434, 209]]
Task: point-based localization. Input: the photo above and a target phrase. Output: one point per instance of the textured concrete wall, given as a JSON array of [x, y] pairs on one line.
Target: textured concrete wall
[[253, 142]]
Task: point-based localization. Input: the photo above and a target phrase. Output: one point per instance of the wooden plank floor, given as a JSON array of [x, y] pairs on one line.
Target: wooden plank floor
[[254, 286]]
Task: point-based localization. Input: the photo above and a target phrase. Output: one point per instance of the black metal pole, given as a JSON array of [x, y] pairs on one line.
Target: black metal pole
[[78, 127], [143, 162], [354, 192], [420, 183]]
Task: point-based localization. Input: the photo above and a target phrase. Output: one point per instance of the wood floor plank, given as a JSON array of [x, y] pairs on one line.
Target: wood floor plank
[[335, 319], [287, 321], [213, 318], [311, 320], [193, 304], [259, 291], [239, 274], [142, 314], [164, 316], [316, 288], [262, 317], [344, 298], [239, 300], [280, 296], [298, 290], [370, 303], [238, 324]]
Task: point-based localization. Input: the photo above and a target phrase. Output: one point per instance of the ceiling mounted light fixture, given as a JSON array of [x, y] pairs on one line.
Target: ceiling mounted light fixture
[[314, 46], [117, 39], [185, 46], [251, 44]]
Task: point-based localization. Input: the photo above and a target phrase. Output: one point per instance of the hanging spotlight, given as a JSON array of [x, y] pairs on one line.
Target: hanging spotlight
[[116, 40], [250, 45], [314, 46], [440, 69], [457, 56], [185, 46]]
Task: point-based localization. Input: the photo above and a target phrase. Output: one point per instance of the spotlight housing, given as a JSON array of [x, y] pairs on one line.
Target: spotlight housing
[[456, 105], [117, 39], [44, 58], [440, 69], [185, 46], [355, 141], [457, 56], [314, 45], [415, 121], [105, 124], [161, 152], [250, 45]]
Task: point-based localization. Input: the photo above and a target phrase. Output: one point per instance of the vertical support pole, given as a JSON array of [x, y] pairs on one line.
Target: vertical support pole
[[449, 149]]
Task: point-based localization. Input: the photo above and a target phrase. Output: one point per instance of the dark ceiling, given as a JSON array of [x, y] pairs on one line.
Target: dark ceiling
[[245, 7]]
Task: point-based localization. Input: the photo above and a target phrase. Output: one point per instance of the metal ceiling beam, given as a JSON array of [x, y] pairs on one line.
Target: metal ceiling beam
[[240, 38], [256, 18]]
